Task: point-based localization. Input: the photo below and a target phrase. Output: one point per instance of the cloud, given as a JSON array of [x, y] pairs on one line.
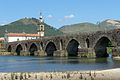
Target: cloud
[[50, 16], [2, 24], [69, 16]]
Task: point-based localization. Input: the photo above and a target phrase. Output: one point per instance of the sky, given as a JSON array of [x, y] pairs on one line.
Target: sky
[[60, 12]]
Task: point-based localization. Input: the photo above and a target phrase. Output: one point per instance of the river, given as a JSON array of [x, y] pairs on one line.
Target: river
[[46, 64]]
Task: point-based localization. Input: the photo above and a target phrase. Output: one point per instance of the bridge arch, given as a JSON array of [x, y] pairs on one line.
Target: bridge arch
[[50, 48], [101, 46], [19, 48], [9, 48], [72, 47], [33, 48]]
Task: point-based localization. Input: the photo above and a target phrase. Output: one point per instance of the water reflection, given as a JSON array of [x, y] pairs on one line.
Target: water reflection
[[32, 63]]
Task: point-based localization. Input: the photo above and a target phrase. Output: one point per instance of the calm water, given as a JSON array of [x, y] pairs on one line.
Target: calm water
[[36, 64]]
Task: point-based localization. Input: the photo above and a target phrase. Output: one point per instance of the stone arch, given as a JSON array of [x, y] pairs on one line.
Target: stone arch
[[72, 47], [9, 48], [19, 48], [101, 46], [33, 48], [50, 48], [87, 43]]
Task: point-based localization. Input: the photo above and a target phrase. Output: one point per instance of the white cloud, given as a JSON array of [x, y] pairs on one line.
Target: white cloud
[[2, 24], [50, 16], [69, 16]]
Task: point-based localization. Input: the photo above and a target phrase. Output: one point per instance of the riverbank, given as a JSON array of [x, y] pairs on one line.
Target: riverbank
[[111, 74], [3, 53]]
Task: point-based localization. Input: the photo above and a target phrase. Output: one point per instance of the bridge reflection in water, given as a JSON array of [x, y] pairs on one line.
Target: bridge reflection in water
[[36, 64]]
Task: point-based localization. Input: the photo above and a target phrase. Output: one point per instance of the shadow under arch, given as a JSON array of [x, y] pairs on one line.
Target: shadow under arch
[[19, 49], [72, 48], [9, 48], [33, 48], [87, 43], [50, 48], [101, 47]]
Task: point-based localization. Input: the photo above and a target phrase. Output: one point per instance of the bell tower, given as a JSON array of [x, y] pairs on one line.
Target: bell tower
[[41, 27]]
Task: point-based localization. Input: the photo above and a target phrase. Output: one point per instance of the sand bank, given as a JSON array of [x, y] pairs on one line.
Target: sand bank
[[111, 74]]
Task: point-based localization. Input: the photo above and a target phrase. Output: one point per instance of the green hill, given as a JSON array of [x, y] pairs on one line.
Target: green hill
[[81, 27], [90, 27], [28, 25]]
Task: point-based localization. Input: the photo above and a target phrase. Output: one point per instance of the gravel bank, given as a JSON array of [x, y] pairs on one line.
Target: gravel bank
[[111, 74]]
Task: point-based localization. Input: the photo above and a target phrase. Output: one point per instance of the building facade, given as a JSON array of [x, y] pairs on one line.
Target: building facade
[[12, 37]]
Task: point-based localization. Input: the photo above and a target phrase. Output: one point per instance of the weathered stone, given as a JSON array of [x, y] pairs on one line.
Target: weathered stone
[[90, 41]]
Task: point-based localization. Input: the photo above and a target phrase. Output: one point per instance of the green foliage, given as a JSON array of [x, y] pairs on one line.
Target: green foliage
[[28, 25], [109, 50]]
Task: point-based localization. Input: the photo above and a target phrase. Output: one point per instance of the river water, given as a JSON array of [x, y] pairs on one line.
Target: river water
[[40, 64]]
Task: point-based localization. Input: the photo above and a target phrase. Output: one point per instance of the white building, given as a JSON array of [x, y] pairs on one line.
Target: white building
[[11, 37]]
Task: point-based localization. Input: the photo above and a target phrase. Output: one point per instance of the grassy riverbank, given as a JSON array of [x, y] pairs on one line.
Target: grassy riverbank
[[111, 74]]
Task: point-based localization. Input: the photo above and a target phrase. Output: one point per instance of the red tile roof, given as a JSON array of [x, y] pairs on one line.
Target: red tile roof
[[22, 34]]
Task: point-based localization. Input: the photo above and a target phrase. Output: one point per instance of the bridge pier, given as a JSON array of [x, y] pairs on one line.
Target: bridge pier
[[42, 53], [24, 53], [116, 51], [86, 52], [60, 53]]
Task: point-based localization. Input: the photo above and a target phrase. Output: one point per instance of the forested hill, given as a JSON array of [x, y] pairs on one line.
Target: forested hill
[[28, 25]]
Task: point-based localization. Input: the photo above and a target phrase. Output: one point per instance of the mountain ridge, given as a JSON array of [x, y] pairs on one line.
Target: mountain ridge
[[90, 27], [29, 25]]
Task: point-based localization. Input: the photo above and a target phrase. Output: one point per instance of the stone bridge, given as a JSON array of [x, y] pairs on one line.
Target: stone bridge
[[81, 44]]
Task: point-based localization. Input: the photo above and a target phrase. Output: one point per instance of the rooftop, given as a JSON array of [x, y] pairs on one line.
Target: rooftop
[[22, 34]]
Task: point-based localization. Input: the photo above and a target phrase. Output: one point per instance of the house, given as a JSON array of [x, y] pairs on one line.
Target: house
[[11, 37]]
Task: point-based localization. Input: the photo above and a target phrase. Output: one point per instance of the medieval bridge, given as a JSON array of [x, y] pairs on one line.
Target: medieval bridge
[[82, 44]]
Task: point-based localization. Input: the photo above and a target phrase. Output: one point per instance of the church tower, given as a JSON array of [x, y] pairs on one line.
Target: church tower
[[41, 27], [6, 36]]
